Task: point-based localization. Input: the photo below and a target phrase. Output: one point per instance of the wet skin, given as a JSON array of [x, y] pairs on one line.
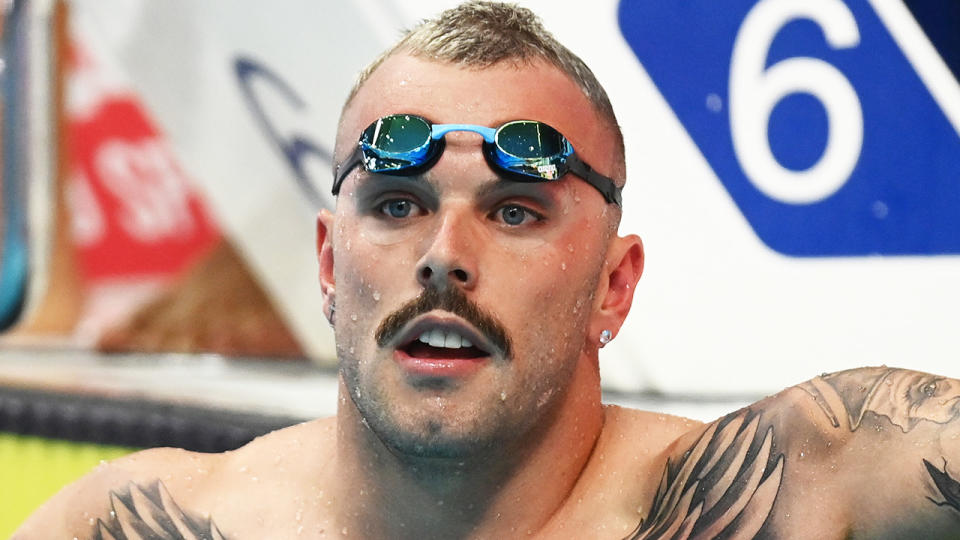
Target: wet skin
[[434, 443], [781, 468], [456, 235]]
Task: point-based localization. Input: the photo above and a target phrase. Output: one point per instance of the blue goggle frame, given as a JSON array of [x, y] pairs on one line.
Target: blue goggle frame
[[523, 150]]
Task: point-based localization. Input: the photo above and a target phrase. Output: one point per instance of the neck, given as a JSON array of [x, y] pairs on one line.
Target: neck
[[510, 491]]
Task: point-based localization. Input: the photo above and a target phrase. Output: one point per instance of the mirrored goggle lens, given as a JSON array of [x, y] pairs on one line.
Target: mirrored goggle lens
[[396, 143], [530, 140], [531, 150], [397, 134]]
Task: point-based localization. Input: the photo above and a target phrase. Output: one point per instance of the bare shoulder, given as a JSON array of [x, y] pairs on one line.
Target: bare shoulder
[[864, 453], [86, 508], [167, 492], [657, 430]]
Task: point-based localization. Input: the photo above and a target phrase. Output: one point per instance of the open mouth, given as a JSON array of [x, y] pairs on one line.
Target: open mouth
[[446, 344]]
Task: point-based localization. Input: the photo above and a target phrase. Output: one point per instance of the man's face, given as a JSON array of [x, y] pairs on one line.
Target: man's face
[[516, 260]]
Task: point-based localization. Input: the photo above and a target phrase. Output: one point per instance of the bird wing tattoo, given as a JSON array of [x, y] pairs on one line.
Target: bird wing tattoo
[[151, 514], [725, 484]]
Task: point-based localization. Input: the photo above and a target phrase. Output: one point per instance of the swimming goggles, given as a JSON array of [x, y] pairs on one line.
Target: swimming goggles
[[523, 150]]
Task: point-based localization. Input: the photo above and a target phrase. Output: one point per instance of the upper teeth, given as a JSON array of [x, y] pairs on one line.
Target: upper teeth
[[440, 338]]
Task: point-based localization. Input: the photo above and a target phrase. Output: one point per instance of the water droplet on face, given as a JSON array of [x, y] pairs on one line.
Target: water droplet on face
[[503, 396], [353, 317], [570, 248], [376, 296], [351, 350], [563, 266], [348, 245]]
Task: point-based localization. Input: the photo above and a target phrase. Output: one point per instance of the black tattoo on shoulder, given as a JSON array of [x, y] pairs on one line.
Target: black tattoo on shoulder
[[149, 513], [903, 397], [948, 487], [725, 484]]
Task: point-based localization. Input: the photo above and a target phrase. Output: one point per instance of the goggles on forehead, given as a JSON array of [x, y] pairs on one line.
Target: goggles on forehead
[[523, 150]]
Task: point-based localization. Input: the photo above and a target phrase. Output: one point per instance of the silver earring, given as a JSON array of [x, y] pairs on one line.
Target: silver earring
[[605, 337], [333, 312]]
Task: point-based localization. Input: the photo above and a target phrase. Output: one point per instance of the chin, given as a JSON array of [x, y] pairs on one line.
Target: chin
[[439, 446], [422, 436]]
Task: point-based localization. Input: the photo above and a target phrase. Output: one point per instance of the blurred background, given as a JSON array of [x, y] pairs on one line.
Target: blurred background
[[794, 171]]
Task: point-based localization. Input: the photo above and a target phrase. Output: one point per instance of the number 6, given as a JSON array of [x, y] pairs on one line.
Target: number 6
[[754, 92]]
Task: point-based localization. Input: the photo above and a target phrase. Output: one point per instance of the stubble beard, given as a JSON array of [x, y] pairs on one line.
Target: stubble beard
[[495, 423], [482, 429]]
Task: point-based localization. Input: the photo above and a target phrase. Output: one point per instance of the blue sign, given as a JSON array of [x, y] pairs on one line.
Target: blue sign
[[827, 138]]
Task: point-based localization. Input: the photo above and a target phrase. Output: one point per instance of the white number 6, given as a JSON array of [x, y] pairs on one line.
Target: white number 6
[[754, 92]]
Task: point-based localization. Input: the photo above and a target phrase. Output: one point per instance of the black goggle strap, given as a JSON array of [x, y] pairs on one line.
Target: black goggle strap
[[604, 185], [341, 171]]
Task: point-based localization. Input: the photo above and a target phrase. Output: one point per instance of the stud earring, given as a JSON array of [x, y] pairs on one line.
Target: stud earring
[[605, 337]]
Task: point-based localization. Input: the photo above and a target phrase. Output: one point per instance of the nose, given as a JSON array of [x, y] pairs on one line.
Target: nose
[[449, 260]]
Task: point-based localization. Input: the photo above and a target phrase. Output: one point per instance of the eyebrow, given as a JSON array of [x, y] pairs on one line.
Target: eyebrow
[[371, 180], [502, 184]]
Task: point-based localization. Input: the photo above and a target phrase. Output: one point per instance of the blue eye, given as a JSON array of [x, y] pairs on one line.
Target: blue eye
[[514, 215], [398, 208]]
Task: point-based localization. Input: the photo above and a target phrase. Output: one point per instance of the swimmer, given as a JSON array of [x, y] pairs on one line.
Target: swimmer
[[472, 271]]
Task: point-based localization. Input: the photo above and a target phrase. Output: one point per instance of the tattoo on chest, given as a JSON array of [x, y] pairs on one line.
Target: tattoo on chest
[[149, 513], [724, 486]]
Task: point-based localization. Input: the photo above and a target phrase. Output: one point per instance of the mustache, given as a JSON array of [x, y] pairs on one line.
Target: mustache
[[450, 299]]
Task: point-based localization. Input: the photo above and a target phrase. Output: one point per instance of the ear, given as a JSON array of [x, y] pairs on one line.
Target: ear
[[622, 271], [325, 261]]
